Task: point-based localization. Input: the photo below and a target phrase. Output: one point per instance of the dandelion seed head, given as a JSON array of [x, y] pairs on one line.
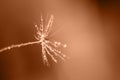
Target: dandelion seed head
[[49, 48]]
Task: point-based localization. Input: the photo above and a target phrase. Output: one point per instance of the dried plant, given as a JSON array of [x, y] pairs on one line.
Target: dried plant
[[48, 47]]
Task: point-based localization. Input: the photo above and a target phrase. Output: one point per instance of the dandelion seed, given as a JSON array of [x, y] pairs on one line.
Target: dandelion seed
[[48, 47]]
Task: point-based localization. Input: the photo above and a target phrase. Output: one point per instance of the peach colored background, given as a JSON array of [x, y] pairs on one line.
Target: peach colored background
[[89, 27]]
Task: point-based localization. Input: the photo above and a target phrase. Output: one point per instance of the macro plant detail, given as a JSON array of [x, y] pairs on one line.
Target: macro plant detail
[[49, 48]]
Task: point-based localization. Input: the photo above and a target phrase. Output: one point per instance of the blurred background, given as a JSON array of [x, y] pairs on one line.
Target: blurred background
[[91, 29]]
